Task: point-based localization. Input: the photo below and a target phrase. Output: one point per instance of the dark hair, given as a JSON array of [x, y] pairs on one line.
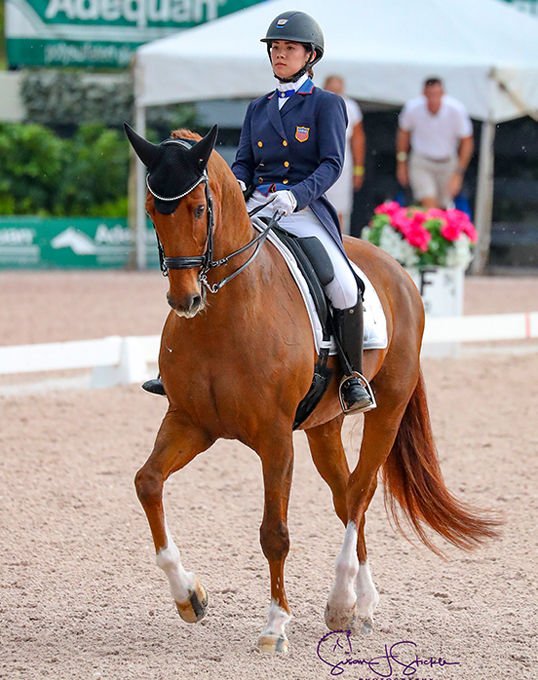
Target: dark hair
[[433, 80]]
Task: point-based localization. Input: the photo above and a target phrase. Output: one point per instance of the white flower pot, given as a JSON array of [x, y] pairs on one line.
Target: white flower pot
[[441, 289]]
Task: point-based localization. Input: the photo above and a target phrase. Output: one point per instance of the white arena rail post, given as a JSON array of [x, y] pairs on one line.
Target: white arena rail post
[[131, 368], [113, 360]]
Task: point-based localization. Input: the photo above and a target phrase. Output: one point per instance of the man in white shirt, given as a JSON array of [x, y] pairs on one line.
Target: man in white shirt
[[439, 132], [351, 179]]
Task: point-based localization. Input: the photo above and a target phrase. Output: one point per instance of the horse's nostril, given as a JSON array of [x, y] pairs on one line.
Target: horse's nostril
[[195, 302], [188, 305]]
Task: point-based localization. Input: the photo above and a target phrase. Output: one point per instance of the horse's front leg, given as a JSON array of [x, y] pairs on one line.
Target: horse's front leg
[[176, 445], [277, 463]]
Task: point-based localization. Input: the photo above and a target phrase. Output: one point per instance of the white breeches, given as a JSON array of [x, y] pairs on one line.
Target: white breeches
[[342, 291]]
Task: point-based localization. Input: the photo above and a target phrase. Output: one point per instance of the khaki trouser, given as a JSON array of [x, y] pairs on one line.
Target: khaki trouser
[[429, 178]]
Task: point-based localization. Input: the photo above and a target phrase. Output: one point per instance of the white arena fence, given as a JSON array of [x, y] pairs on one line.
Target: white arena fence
[[120, 361]]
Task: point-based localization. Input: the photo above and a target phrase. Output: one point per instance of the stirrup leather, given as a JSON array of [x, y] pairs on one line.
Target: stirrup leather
[[366, 386]]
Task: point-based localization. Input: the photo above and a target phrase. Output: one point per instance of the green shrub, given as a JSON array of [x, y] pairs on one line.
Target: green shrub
[[31, 163], [43, 174], [96, 172], [71, 98]]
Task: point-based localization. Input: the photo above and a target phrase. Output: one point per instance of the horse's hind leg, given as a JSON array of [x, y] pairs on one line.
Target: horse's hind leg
[[381, 425], [175, 446], [330, 460], [276, 455]]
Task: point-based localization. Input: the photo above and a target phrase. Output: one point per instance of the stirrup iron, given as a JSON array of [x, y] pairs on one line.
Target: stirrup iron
[[367, 387]]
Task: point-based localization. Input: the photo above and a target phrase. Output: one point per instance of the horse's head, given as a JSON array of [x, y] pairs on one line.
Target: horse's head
[[177, 203]]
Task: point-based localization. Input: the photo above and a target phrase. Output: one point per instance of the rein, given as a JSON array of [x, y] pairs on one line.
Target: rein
[[206, 262]]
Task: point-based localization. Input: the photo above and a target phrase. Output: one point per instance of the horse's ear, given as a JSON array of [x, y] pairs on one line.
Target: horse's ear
[[201, 151], [146, 151]]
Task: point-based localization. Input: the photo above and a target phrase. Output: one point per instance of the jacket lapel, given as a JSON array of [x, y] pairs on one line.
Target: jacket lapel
[[273, 114]]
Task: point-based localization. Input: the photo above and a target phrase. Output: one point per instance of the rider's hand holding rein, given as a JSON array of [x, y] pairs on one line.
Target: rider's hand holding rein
[[284, 202]]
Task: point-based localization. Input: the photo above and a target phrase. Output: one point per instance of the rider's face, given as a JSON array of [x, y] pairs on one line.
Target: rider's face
[[288, 57]]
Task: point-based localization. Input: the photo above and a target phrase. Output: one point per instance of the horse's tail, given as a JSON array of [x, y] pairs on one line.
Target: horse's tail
[[413, 480]]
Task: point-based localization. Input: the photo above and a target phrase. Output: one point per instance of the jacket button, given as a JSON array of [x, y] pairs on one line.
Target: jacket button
[[286, 164], [284, 143], [260, 181], [285, 181], [260, 143]]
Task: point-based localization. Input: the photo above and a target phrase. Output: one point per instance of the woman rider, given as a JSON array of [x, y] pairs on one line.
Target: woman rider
[[290, 152]]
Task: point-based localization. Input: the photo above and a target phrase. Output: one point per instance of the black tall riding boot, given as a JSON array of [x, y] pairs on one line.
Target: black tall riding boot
[[155, 386], [355, 394]]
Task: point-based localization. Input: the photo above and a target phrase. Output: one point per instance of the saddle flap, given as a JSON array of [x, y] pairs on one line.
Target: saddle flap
[[309, 273]]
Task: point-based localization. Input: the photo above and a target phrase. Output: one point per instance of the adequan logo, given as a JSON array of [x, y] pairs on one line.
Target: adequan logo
[[142, 13]]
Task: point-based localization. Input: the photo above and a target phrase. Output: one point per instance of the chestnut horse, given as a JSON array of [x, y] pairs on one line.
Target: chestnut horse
[[236, 363]]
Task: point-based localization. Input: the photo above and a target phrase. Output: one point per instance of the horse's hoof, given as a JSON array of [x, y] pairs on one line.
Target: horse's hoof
[[272, 644], [340, 619], [366, 625], [194, 608]]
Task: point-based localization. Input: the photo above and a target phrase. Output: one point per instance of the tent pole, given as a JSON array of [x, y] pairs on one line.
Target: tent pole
[[141, 259], [484, 197]]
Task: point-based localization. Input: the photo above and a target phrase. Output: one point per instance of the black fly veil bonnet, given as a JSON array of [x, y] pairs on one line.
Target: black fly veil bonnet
[[175, 166]]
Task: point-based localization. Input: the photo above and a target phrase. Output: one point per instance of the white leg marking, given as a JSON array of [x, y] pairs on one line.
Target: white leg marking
[[340, 612], [367, 595], [277, 619], [273, 639], [168, 559]]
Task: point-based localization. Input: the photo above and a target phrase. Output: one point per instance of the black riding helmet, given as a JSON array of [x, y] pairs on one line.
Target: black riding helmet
[[297, 27]]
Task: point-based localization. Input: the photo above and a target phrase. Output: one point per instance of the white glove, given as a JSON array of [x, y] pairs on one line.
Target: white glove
[[283, 202], [242, 185]]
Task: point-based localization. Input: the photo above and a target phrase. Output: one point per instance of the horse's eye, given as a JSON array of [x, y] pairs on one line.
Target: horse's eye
[[199, 211]]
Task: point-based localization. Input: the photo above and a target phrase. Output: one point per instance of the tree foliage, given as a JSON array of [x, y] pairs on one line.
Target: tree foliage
[[70, 98], [43, 174]]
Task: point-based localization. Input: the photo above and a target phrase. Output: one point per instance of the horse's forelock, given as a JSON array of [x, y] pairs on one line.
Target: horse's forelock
[[185, 134]]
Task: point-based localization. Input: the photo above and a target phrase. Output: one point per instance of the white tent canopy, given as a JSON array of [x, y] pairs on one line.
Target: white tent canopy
[[383, 49], [485, 50]]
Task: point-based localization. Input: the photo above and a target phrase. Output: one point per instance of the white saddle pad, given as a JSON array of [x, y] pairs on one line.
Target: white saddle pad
[[375, 323]]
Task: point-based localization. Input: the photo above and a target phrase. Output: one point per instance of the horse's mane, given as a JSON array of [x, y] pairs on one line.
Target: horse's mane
[[183, 133]]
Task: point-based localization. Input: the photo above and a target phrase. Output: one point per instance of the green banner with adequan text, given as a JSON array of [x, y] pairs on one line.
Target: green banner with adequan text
[[71, 243], [99, 33]]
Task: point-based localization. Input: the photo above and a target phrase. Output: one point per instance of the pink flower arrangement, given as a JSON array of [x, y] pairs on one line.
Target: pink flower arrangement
[[419, 237]]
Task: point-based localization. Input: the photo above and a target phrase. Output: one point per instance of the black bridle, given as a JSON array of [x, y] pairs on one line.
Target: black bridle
[[206, 262]]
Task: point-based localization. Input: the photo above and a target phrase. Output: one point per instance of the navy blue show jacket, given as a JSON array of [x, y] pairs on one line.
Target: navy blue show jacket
[[299, 147]]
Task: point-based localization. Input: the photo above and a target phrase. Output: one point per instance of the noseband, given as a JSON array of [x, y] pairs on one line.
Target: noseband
[[206, 262]]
